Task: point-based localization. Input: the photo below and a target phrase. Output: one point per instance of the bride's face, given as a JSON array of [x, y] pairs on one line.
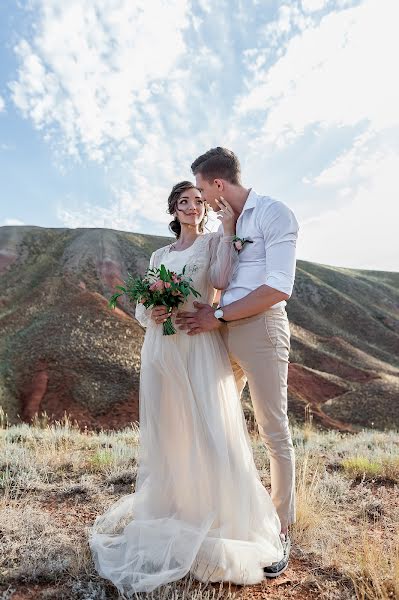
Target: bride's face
[[190, 207]]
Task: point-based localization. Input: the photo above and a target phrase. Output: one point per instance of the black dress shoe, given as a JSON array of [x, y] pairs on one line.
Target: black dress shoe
[[275, 569]]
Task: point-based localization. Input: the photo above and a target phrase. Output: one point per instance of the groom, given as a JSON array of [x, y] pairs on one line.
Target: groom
[[252, 317]]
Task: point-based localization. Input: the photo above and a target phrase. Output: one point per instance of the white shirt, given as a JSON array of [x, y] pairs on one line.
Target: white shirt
[[270, 259]]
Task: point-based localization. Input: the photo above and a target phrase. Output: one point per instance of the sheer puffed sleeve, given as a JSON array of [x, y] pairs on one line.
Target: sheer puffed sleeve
[[143, 314], [224, 259]]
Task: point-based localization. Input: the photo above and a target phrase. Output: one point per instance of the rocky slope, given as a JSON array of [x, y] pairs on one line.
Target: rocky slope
[[62, 348]]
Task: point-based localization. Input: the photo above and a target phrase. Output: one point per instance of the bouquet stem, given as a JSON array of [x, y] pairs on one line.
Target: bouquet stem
[[168, 328]]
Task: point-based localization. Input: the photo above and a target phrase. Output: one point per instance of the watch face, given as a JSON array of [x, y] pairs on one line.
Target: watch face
[[218, 313]]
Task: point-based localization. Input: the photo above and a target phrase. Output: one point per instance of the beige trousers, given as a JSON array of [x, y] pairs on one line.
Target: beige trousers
[[259, 347]]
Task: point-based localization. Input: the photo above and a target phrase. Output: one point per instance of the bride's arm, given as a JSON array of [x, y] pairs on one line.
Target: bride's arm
[[224, 256], [224, 259], [143, 314]]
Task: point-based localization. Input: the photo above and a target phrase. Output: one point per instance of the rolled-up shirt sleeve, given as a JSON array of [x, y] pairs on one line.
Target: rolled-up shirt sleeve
[[281, 232]]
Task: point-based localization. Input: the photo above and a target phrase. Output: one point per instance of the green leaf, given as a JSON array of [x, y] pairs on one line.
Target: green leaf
[[113, 300], [163, 273]]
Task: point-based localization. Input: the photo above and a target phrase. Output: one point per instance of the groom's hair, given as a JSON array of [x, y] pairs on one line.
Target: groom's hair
[[218, 163]]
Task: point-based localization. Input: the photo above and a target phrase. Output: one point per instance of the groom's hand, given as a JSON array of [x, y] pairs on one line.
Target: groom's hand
[[198, 322]]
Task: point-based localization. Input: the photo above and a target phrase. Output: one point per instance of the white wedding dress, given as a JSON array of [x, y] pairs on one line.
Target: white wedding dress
[[199, 504]]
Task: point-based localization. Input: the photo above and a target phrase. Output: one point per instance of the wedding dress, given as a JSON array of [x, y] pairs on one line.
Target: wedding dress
[[199, 504]]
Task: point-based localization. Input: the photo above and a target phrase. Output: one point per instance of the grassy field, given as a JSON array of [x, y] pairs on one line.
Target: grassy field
[[55, 479]]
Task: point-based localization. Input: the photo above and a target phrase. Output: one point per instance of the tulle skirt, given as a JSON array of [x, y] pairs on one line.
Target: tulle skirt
[[199, 504]]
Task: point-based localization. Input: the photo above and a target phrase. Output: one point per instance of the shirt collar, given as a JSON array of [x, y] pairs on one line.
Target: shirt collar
[[251, 200]]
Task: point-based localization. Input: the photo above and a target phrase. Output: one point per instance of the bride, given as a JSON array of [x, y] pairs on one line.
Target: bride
[[199, 505]]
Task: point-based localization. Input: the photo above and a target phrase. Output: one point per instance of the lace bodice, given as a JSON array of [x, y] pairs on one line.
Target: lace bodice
[[210, 262]]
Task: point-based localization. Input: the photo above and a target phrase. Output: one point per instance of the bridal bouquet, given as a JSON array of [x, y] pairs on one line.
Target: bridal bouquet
[[158, 287]]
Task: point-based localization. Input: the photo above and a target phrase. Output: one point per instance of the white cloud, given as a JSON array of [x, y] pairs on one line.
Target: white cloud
[[313, 5], [121, 214], [205, 5], [2, 104], [90, 67], [142, 88], [275, 34], [337, 74], [13, 222], [105, 81], [363, 232], [356, 164], [332, 75], [117, 84]]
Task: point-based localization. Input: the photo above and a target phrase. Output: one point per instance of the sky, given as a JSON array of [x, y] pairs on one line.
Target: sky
[[104, 105]]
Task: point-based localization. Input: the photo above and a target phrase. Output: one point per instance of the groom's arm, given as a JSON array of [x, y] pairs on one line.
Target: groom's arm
[[261, 299], [280, 235], [204, 320]]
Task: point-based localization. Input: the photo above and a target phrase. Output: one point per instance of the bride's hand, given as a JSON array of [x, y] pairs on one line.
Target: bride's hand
[[226, 216], [159, 314]]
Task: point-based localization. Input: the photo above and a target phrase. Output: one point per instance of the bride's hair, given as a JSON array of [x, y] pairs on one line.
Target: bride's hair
[[174, 196]]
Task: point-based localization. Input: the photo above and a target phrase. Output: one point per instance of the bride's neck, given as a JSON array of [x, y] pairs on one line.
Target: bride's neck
[[187, 235]]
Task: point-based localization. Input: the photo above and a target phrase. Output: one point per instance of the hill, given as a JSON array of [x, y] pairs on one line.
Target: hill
[[62, 348]]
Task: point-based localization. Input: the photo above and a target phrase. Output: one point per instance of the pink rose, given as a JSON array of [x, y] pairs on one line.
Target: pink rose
[[238, 245], [157, 286], [168, 285]]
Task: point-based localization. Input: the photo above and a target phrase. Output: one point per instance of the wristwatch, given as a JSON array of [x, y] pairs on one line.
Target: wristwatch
[[219, 315]]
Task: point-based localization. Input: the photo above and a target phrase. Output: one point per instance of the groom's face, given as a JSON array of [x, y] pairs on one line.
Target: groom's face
[[209, 190]]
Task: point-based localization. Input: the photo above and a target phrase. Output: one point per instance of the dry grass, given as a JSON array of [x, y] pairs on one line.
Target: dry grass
[[385, 468], [352, 498], [54, 480]]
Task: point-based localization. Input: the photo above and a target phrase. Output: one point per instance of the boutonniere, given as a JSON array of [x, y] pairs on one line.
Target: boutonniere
[[239, 243]]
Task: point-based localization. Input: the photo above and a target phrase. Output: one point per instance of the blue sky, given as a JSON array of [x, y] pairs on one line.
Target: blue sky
[[104, 104]]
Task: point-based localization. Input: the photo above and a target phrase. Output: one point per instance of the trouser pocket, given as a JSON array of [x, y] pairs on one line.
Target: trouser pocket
[[277, 329]]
